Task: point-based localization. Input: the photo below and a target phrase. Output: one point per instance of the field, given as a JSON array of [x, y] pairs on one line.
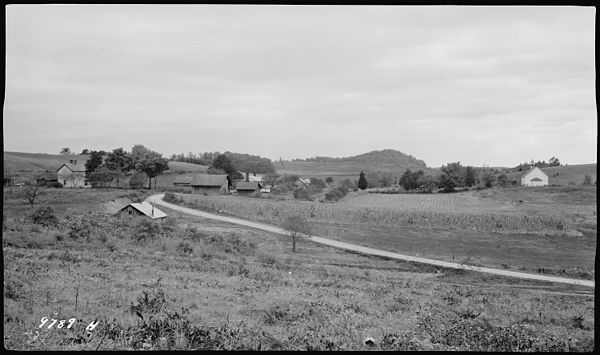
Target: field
[[191, 283], [536, 229]]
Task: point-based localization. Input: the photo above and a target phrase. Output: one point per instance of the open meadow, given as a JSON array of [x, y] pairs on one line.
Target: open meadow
[[192, 283]]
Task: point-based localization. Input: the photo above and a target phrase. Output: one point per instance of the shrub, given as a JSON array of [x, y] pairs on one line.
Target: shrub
[[336, 194], [301, 193], [170, 197], [279, 190], [146, 229], [44, 215], [184, 248]]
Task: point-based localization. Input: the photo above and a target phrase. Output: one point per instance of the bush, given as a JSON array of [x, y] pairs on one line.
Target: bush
[[44, 215], [146, 229], [170, 197], [279, 190], [336, 194], [301, 193]]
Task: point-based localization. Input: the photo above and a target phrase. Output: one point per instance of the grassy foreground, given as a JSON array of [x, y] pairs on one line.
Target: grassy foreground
[[192, 283]]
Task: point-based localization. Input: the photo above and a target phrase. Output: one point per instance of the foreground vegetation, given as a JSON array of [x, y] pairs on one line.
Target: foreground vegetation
[[190, 283]]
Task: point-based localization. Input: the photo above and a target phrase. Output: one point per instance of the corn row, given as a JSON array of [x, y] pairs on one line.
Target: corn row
[[267, 210]]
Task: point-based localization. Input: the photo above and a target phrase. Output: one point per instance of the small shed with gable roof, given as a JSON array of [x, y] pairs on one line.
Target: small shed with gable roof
[[134, 210], [247, 187]]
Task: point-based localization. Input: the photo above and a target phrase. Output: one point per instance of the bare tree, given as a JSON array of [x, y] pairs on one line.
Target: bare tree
[[298, 228], [32, 190]]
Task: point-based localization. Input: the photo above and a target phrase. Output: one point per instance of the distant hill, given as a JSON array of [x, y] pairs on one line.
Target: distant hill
[[15, 162], [387, 160], [24, 164]]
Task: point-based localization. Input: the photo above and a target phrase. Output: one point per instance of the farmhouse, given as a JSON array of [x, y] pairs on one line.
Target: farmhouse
[[210, 184], [72, 175], [247, 187], [534, 177], [135, 210]]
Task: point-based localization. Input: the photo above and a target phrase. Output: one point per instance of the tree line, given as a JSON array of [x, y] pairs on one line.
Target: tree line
[[242, 162]]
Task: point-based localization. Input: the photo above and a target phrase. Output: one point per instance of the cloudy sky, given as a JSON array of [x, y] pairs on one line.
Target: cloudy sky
[[479, 85]]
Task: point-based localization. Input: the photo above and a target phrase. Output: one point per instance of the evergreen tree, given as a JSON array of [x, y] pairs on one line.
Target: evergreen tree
[[362, 181]]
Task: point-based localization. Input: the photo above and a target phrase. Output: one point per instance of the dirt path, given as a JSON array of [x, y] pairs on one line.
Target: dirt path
[[157, 199]]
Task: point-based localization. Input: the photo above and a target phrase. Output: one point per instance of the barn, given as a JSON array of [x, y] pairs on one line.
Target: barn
[[72, 175], [247, 187], [135, 210], [183, 181], [210, 184], [534, 177]]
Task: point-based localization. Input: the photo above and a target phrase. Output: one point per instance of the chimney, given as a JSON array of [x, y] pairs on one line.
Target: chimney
[[247, 176]]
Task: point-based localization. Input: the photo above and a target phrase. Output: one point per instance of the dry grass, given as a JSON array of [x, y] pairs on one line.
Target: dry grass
[[236, 288]]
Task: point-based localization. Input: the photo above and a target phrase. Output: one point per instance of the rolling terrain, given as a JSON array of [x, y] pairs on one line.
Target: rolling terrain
[[387, 160]]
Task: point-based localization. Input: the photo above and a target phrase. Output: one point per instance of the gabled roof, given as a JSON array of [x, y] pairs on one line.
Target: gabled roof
[[304, 181], [525, 173], [76, 168], [183, 180], [209, 180], [147, 209], [247, 185]]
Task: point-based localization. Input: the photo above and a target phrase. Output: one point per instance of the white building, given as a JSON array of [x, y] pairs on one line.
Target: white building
[[534, 177]]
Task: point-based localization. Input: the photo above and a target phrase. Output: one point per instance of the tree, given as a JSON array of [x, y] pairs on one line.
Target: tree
[[224, 163], [120, 162], [270, 178], [329, 180], [94, 162], [149, 162], [502, 180], [297, 227], [32, 190], [487, 177], [469, 176], [362, 181], [587, 179], [137, 181], [65, 151], [85, 152], [452, 176], [102, 176], [554, 161]]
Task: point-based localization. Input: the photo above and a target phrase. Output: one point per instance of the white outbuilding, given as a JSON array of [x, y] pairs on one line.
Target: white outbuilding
[[534, 177]]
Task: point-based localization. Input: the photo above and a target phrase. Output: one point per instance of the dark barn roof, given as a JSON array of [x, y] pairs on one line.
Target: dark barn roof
[[247, 186], [210, 180], [183, 180]]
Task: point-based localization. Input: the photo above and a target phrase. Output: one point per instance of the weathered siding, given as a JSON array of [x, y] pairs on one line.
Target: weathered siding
[[69, 178]]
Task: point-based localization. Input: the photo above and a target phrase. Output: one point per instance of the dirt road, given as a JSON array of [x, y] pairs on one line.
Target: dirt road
[[157, 199]]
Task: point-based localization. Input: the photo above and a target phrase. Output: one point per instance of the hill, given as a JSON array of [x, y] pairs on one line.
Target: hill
[[15, 162], [387, 160], [564, 175], [21, 164]]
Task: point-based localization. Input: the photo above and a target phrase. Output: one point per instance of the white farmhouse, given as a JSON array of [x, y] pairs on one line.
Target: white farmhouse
[[72, 175], [534, 177]]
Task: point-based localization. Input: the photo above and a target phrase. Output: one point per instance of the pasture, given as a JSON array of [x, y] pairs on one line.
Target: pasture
[[191, 283]]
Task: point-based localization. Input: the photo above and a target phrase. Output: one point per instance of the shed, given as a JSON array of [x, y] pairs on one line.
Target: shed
[[534, 177], [134, 210], [302, 182], [247, 187], [210, 184]]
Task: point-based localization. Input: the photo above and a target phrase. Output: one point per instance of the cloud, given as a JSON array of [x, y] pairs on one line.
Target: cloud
[[304, 80]]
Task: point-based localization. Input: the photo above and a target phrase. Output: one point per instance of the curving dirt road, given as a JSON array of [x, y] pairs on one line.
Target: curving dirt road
[[157, 199]]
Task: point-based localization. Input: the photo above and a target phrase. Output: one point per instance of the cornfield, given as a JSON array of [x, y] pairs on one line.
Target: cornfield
[[270, 211]]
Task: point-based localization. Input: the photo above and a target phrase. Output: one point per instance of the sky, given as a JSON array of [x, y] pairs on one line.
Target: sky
[[494, 86]]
